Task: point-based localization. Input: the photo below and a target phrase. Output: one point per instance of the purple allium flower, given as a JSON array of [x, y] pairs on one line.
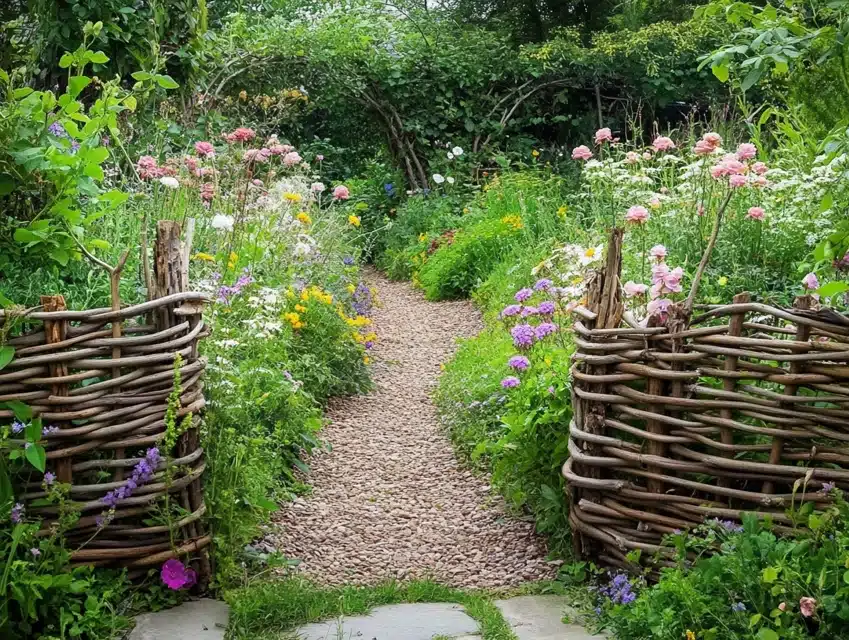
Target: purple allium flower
[[529, 311], [35, 552], [523, 294], [17, 427], [544, 329], [523, 335], [509, 382], [49, 478], [738, 607], [543, 284], [546, 307], [520, 363], [17, 514], [511, 310], [828, 487]]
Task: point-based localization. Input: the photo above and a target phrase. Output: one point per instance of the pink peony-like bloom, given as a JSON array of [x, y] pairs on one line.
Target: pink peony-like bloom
[[637, 215], [292, 158], [662, 143], [242, 134], [634, 289], [747, 151], [760, 181], [341, 192], [665, 280], [807, 606], [603, 135], [149, 168], [277, 149], [737, 180], [703, 148], [658, 252], [713, 139], [759, 168], [176, 576], [205, 149], [259, 156], [207, 192], [755, 213], [646, 155], [810, 281], [632, 157], [581, 153]]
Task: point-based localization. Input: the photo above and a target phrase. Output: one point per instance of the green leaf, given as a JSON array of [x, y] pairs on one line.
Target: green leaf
[[766, 634], [60, 255], [99, 57], [266, 505], [37, 457], [130, 102], [832, 289], [21, 93], [166, 82], [7, 353], [94, 171], [720, 71], [7, 184], [26, 236], [97, 155], [22, 411], [66, 61], [770, 575], [141, 76], [77, 84], [751, 78]]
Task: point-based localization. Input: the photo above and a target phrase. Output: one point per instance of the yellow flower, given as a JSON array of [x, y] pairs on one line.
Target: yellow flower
[[204, 256], [351, 288], [359, 321], [371, 336], [290, 293], [366, 360], [354, 220], [548, 361], [300, 308], [232, 260], [535, 153], [294, 319], [690, 635], [513, 221], [422, 237], [304, 217], [292, 197], [590, 252], [722, 281], [243, 95], [466, 210], [562, 211], [441, 367]]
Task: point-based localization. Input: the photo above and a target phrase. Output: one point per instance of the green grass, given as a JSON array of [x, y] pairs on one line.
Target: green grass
[[270, 610]]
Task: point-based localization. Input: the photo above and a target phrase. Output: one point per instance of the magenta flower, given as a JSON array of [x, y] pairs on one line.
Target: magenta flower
[[755, 213], [176, 576]]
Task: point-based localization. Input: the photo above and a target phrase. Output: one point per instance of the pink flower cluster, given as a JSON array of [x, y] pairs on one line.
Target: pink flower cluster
[[207, 192], [149, 169], [258, 156], [292, 158], [662, 143], [637, 215], [581, 153], [241, 134], [205, 149], [341, 192], [708, 144], [739, 174]]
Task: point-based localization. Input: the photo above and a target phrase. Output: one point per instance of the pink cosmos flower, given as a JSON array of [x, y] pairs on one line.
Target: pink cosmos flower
[[637, 215], [760, 168], [581, 153], [632, 157], [737, 180], [810, 281], [634, 289], [746, 151], [662, 143], [658, 252], [292, 158], [176, 576], [807, 606], [205, 149], [341, 192], [755, 213], [603, 135]]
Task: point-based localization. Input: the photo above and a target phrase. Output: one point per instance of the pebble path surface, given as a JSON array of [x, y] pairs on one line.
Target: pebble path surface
[[389, 499]]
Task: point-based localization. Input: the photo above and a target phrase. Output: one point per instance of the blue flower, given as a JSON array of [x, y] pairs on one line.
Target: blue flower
[[738, 607]]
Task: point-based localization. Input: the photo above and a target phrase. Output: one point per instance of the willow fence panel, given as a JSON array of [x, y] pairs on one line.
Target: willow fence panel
[[742, 408], [100, 380]]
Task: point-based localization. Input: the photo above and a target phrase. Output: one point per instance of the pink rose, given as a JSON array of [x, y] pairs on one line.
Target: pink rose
[[737, 180], [747, 151], [702, 148], [637, 215], [760, 168], [205, 149], [292, 158], [755, 213], [581, 153], [807, 606], [662, 143], [713, 139], [658, 252], [810, 281], [633, 289], [341, 192], [603, 135]]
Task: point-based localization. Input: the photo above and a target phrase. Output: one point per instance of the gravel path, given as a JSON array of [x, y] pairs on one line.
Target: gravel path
[[390, 500]]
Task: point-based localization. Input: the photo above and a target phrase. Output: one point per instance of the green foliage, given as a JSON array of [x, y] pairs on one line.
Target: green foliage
[[768, 575]]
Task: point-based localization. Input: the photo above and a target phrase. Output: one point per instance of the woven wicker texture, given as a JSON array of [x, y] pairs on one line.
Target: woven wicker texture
[[100, 380], [726, 412]]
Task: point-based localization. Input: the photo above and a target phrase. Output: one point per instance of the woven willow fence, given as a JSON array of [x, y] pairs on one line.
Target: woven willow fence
[[741, 408], [100, 380]]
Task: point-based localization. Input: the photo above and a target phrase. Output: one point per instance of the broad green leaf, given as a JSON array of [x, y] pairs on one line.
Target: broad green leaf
[[66, 61], [833, 288], [751, 78], [26, 236], [22, 411], [99, 57], [720, 71], [141, 76], [21, 93], [166, 82], [36, 456], [77, 84], [770, 575], [766, 633], [94, 171], [60, 255], [130, 102], [7, 353], [97, 155]]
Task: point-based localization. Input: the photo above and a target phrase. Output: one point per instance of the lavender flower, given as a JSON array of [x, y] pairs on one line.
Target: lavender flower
[[738, 607], [544, 329], [46, 431], [619, 590], [523, 335], [546, 307], [529, 311], [57, 130], [17, 427], [520, 363], [523, 294], [142, 473], [511, 310], [17, 514], [348, 261], [543, 284], [509, 382], [828, 487], [728, 525], [49, 478], [362, 300]]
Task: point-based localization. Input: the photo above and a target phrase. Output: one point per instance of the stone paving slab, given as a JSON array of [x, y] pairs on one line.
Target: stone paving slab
[[395, 622], [197, 620], [541, 618]]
